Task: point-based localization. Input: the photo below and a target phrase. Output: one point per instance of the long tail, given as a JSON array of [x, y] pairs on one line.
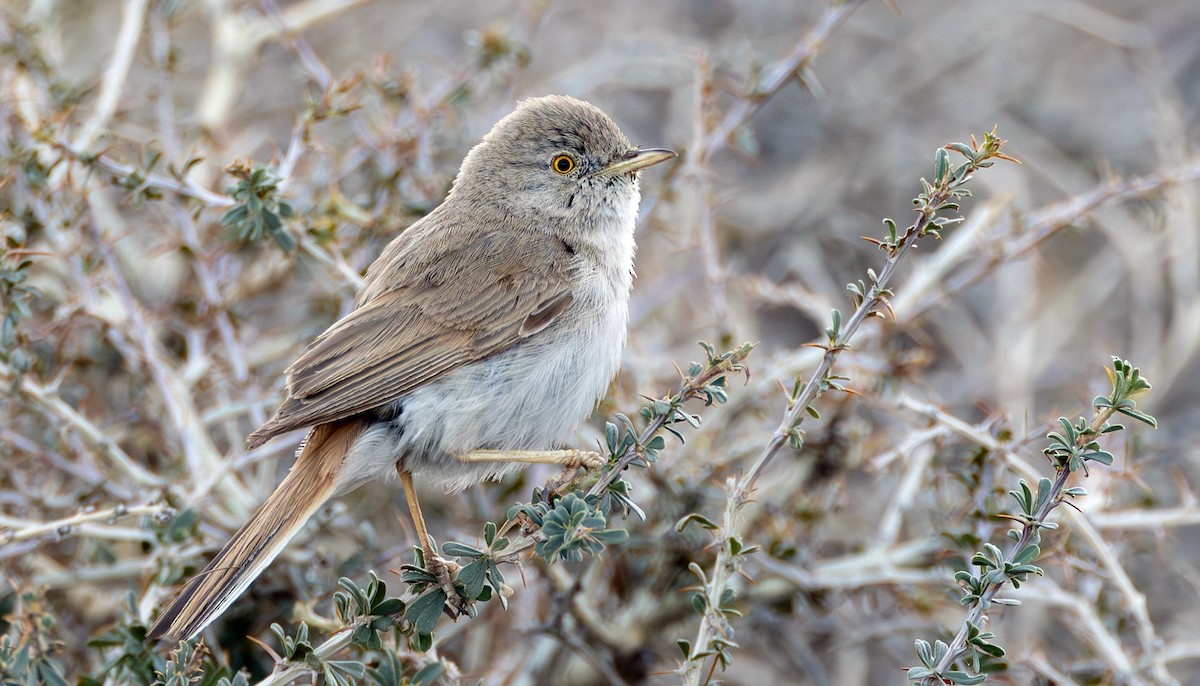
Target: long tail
[[307, 486]]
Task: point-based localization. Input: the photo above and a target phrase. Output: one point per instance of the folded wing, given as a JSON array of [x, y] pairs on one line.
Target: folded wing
[[420, 317]]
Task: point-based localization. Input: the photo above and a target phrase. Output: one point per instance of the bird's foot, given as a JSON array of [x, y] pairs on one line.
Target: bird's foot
[[573, 461], [586, 459], [444, 570]]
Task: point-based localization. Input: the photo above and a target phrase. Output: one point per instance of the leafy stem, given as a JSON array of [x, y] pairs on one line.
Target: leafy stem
[[1069, 451], [706, 381], [942, 195], [556, 524], [713, 600]]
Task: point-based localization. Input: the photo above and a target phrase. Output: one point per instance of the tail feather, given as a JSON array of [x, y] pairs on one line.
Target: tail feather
[[307, 486]]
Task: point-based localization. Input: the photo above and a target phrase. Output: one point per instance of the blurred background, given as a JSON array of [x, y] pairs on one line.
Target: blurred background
[[143, 340]]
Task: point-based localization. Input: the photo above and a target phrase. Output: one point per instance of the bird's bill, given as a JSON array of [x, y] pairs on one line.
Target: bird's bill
[[638, 159]]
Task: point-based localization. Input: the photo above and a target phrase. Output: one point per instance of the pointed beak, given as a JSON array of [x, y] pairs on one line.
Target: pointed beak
[[638, 159]]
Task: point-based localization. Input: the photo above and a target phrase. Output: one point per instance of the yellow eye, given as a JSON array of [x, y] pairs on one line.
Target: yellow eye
[[562, 164]]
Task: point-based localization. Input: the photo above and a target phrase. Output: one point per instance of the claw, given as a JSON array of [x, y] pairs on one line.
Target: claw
[[444, 570], [586, 459]]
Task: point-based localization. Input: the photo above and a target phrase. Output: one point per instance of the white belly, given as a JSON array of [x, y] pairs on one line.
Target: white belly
[[530, 397]]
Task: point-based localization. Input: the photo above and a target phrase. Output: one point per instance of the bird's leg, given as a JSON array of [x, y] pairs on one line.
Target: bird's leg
[[436, 565], [569, 459]]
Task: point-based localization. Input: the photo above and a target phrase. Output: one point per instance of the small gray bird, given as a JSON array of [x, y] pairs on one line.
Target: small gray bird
[[481, 337]]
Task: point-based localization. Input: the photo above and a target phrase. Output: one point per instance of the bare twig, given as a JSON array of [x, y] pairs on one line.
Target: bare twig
[[133, 16], [46, 400], [20, 530]]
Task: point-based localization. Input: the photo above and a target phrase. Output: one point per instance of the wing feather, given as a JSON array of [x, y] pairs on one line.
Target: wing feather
[[471, 302]]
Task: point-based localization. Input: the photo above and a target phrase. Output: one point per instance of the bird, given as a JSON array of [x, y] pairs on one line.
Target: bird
[[482, 335]]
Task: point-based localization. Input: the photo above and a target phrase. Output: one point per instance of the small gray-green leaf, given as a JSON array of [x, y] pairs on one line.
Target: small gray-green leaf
[[425, 610]]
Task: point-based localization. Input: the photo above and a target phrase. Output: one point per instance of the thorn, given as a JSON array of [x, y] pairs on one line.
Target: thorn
[[275, 657]]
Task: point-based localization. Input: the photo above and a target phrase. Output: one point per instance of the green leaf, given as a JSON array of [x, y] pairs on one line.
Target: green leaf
[[472, 577], [423, 642], [611, 436], [390, 606], [924, 652], [425, 610], [700, 519], [1028, 554], [990, 648], [427, 674], [362, 636], [1138, 415], [1044, 490], [941, 164], [460, 550], [611, 536], [354, 668], [727, 597], [835, 326], [963, 678], [234, 216], [962, 149], [49, 674]]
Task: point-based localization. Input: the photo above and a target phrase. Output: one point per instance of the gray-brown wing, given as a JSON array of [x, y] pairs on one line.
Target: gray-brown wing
[[437, 319]]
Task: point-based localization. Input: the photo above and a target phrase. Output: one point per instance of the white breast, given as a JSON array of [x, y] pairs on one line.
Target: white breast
[[530, 397]]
